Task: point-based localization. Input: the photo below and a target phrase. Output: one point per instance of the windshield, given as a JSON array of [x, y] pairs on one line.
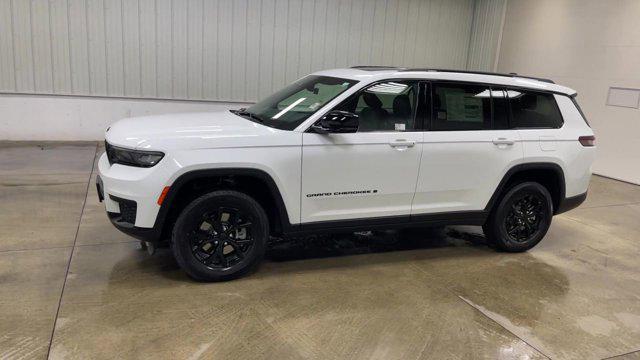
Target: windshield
[[289, 107]]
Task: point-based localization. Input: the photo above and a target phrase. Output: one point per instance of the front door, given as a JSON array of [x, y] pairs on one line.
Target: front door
[[371, 173]]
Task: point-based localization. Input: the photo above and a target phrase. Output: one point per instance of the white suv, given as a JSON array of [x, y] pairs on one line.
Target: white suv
[[348, 150]]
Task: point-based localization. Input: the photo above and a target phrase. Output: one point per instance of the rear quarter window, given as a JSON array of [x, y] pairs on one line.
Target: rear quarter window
[[533, 110], [575, 103]]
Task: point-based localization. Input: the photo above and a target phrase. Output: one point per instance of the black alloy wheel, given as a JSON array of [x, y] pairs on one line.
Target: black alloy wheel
[[220, 236], [521, 218], [524, 217]]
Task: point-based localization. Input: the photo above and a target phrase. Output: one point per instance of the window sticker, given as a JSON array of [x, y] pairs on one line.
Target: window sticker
[[314, 106], [463, 107]]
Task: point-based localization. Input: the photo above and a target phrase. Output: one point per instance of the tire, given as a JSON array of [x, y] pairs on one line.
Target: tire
[[220, 236], [520, 219]]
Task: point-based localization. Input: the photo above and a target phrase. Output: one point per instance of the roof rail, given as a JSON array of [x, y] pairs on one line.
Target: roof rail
[[375, 67], [512, 75]]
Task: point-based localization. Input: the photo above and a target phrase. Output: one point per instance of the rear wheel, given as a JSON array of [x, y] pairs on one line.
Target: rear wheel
[[521, 218], [220, 236]]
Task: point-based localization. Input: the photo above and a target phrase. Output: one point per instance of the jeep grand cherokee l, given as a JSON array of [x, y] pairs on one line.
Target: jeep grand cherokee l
[[348, 150]]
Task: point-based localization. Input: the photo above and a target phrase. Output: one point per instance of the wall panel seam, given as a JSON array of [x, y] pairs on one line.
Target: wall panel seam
[[53, 82], [70, 62], [13, 46], [33, 58]]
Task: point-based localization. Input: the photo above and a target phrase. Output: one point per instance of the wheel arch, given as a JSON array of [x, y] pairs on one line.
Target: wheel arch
[[550, 175], [256, 183]]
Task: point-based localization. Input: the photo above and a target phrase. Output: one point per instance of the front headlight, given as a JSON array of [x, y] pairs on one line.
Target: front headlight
[[138, 158]]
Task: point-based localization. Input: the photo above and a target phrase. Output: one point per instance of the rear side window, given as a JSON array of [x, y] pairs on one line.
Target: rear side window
[[531, 109], [461, 107]]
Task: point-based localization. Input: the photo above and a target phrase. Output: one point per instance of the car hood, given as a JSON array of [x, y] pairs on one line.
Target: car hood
[[192, 131]]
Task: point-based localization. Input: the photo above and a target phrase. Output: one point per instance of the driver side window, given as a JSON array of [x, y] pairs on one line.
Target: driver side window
[[386, 106]]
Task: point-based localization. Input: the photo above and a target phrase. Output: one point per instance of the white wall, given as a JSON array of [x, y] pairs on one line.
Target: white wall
[[224, 50], [488, 20], [46, 117], [588, 45], [219, 50]]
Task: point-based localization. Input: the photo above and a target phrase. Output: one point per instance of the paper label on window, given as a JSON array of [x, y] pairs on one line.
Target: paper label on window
[[400, 127], [464, 107], [314, 106]]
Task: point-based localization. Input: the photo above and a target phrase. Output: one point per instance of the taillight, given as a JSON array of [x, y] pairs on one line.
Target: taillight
[[587, 140]]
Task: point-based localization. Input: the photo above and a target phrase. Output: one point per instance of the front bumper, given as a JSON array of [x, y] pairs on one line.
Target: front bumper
[[130, 197], [145, 234]]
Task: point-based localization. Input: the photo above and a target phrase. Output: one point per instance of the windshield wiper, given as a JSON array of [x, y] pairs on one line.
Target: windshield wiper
[[244, 113]]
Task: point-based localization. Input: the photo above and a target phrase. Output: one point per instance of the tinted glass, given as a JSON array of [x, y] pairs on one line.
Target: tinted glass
[[533, 110], [289, 107], [500, 109], [575, 103], [461, 107], [388, 106]]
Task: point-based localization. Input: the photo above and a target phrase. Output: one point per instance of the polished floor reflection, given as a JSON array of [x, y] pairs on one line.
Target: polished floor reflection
[[71, 286]]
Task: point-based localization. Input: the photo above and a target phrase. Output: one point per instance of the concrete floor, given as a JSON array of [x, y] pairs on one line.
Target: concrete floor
[[71, 286]]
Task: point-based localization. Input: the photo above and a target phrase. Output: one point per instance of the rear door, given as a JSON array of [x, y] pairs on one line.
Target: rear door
[[371, 173], [467, 149]]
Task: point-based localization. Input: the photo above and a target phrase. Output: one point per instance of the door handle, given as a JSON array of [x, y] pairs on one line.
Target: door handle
[[503, 141], [402, 143]]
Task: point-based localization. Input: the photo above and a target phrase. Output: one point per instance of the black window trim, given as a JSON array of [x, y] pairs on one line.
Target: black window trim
[[524, 88], [427, 102], [574, 100], [493, 114], [491, 87]]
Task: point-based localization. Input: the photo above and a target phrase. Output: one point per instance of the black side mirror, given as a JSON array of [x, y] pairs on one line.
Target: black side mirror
[[337, 121]]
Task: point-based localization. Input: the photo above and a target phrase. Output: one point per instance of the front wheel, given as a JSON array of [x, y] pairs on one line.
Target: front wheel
[[220, 236], [521, 218]]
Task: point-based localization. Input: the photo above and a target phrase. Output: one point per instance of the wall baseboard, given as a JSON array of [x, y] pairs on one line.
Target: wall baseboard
[[617, 179]]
